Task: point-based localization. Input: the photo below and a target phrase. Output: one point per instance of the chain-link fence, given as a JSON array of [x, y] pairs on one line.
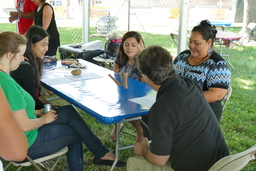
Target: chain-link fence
[[154, 19]]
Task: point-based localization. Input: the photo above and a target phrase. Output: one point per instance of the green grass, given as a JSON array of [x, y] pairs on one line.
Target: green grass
[[239, 118]]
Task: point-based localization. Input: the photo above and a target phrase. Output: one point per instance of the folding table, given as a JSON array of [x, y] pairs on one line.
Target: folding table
[[226, 38], [98, 95], [221, 25]]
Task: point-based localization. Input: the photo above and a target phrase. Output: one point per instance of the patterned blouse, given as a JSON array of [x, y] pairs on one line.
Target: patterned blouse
[[213, 72], [133, 71]]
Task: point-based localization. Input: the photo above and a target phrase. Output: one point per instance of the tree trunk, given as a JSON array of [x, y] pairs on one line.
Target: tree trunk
[[249, 12], [249, 15]]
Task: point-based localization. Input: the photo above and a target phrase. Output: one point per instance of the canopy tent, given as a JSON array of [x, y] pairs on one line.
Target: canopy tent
[[183, 23]]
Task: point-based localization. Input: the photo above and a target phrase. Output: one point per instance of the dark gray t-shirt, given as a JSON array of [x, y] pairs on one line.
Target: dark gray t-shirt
[[183, 125]]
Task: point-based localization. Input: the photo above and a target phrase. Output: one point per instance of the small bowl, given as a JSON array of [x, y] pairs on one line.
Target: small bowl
[[76, 71]]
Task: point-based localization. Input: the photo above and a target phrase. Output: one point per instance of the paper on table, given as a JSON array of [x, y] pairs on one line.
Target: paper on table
[[146, 101], [83, 76], [56, 81]]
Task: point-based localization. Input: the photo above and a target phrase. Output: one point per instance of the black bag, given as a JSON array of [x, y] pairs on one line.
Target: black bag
[[111, 48]]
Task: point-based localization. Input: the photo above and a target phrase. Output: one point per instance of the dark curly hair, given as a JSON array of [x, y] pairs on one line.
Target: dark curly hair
[[123, 58], [206, 30]]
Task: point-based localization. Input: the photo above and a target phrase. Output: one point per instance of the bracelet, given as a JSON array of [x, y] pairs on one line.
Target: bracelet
[[19, 15]]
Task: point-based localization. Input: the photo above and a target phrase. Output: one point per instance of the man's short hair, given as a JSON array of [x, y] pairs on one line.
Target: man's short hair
[[156, 63]]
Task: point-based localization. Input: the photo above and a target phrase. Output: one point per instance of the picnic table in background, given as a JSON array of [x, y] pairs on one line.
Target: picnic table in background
[[226, 39]]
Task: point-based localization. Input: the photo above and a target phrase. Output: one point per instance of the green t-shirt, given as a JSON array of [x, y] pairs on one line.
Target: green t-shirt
[[19, 99]]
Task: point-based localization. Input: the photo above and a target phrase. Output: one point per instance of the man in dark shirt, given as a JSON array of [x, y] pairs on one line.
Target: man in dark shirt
[[185, 134]]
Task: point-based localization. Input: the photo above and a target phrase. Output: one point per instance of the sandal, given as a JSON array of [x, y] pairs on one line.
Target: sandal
[[113, 135], [99, 162], [48, 93]]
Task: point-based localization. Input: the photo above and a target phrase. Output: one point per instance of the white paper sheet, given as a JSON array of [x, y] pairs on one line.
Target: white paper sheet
[[146, 101], [56, 81], [83, 76]]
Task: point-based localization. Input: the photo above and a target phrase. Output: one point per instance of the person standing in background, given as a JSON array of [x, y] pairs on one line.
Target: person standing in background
[[24, 15], [45, 17]]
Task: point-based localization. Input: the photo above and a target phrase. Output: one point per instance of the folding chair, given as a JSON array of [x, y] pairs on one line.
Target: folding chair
[[235, 162], [175, 38], [226, 97], [245, 33], [39, 163]]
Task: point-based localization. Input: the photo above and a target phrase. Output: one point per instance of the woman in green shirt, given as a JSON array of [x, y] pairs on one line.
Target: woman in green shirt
[[54, 130]]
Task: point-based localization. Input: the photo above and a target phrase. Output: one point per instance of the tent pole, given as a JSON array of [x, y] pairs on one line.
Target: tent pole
[[183, 25], [129, 13], [86, 21]]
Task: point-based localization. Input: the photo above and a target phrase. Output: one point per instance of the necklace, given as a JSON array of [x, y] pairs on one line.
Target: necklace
[[201, 61]]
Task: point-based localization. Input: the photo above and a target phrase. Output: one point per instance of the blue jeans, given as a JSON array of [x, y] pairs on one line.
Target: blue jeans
[[69, 129]]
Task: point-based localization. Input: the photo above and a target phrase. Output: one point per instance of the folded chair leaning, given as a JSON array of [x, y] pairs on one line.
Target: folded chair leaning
[[40, 162], [226, 97], [245, 33]]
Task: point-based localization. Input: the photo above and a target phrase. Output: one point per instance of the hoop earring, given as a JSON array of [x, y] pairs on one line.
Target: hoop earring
[[209, 51]]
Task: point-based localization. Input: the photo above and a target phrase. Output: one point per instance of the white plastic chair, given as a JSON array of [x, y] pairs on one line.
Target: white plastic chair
[[226, 97], [175, 38], [40, 162], [245, 34], [235, 162]]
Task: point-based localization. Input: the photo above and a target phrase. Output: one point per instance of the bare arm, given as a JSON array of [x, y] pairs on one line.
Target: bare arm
[[47, 17], [39, 112], [142, 79], [116, 68], [27, 124], [215, 94], [29, 15], [143, 149], [13, 142]]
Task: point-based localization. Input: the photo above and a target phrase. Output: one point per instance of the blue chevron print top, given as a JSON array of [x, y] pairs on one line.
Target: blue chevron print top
[[213, 72]]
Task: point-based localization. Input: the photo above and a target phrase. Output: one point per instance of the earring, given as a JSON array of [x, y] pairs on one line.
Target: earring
[[209, 51]]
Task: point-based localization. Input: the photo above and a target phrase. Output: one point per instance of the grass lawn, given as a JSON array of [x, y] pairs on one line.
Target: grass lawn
[[239, 118]]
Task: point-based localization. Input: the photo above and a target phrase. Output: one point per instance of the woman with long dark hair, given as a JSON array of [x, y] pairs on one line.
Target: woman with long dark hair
[[132, 43], [28, 75], [56, 129]]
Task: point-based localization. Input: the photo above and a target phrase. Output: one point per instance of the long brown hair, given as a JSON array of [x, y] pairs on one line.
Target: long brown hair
[[123, 58], [9, 42]]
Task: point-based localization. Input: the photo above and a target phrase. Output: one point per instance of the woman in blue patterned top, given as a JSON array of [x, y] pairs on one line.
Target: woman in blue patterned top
[[125, 62], [206, 67]]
